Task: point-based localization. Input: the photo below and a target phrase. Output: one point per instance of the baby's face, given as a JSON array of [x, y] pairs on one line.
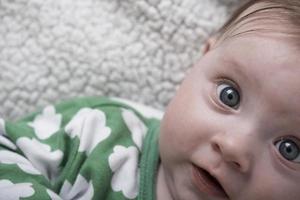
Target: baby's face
[[236, 116]]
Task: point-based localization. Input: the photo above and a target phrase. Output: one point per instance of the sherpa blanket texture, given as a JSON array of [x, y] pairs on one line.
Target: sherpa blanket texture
[[52, 50]]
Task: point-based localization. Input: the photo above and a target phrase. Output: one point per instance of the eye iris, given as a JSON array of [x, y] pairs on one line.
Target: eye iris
[[230, 96], [289, 150]]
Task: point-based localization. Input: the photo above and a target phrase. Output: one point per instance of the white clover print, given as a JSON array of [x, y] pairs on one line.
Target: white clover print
[[16, 191], [124, 163], [46, 123], [136, 127], [90, 127], [7, 143], [3, 139], [8, 157], [81, 190], [41, 156], [53, 195]]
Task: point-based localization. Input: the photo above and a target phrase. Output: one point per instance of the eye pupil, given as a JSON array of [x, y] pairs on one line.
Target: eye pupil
[[289, 149]]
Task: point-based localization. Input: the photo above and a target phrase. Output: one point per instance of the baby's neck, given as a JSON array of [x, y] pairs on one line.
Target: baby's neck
[[162, 191]]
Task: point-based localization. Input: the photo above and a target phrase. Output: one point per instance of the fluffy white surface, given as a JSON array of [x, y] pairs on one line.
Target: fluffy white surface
[[135, 49]]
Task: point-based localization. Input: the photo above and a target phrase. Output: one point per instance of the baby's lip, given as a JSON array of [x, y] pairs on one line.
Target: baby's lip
[[208, 183]]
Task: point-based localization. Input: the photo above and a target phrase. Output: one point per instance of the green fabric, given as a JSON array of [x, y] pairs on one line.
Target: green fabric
[[149, 165], [87, 148]]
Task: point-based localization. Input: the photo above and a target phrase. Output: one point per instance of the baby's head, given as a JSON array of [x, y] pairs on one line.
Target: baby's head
[[236, 115]]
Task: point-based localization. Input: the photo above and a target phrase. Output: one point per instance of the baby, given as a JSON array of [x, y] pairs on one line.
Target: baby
[[232, 130]]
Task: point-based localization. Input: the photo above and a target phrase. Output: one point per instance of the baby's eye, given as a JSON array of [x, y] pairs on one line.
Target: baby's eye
[[288, 149], [228, 95]]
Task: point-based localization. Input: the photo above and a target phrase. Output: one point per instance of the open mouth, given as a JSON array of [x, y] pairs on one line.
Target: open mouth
[[207, 183]]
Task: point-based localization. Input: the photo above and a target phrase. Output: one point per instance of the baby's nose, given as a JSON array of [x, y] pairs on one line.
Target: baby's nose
[[233, 149]]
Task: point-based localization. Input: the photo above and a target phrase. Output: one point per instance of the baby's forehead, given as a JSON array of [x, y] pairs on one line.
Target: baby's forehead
[[261, 54]]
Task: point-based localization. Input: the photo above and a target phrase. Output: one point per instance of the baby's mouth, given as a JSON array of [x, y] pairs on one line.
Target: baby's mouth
[[208, 184]]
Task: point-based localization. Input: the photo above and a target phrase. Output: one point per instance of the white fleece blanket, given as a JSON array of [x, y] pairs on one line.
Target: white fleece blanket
[[135, 49]]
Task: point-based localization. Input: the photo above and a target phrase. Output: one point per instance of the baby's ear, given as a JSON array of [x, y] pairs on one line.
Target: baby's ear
[[209, 45]]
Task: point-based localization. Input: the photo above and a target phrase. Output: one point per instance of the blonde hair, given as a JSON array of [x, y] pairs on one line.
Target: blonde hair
[[285, 13]]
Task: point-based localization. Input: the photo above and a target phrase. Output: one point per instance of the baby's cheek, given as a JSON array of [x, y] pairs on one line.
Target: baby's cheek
[[268, 182], [171, 140], [176, 143]]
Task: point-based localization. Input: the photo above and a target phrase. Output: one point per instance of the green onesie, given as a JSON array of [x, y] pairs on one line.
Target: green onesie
[[87, 148]]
